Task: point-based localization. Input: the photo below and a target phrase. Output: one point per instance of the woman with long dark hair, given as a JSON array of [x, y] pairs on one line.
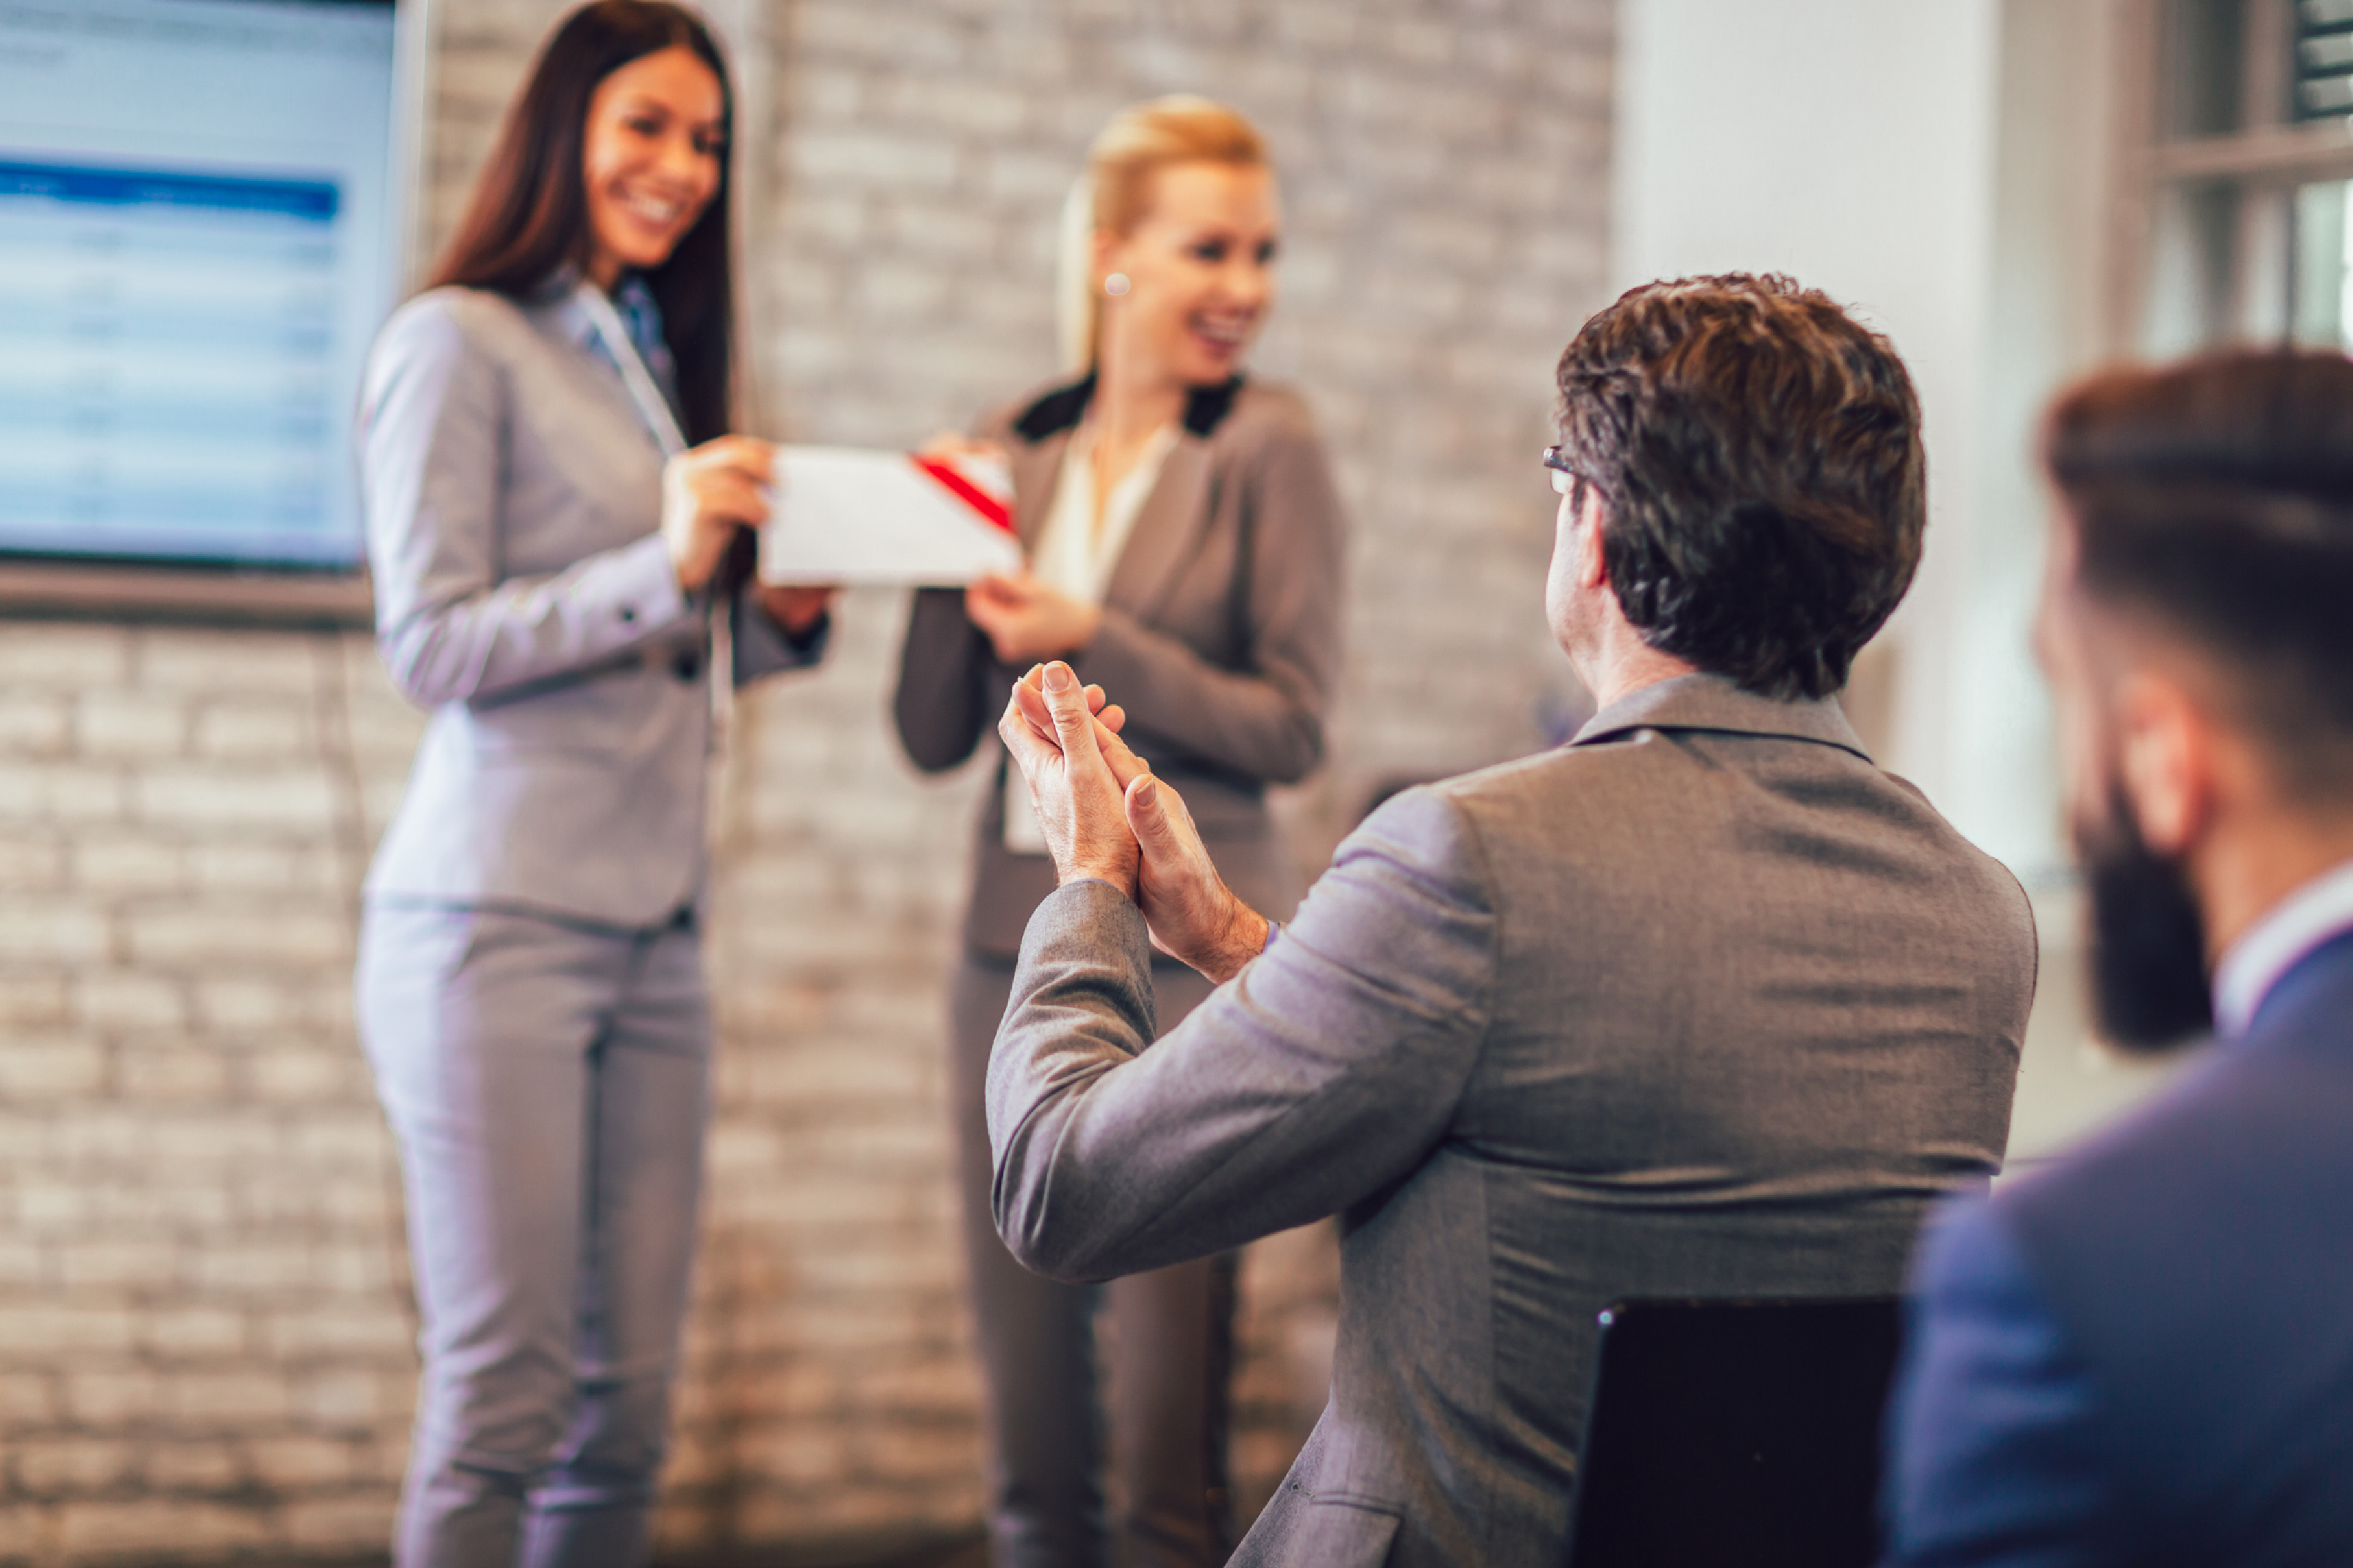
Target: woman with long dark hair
[[1184, 543], [557, 519]]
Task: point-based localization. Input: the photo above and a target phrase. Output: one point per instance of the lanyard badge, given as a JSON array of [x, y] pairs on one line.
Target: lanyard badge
[[662, 424], [652, 406]]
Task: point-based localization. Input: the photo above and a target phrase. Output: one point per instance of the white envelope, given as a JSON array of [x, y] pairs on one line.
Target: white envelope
[[846, 514]]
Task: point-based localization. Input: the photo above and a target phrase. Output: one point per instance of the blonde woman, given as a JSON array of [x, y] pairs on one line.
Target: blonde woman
[[1184, 543]]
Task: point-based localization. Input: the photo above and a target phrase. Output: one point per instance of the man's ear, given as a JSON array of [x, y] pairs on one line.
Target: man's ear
[[1592, 567], [2167, 758]]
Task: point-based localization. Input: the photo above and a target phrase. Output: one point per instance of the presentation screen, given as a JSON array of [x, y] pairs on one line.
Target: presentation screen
[[196, 237]]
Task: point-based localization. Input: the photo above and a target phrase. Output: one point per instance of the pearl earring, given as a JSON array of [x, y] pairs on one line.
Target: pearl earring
[[1117, 284]]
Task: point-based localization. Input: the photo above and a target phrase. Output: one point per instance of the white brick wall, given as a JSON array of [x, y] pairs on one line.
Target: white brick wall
[[201, 1343], [202, 1295]]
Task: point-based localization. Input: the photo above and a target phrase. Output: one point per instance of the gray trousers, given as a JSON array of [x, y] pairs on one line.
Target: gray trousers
[[1172, 1332], [548, 1085]]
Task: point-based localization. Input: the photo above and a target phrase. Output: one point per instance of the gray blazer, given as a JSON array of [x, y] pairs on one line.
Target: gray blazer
[[1701, 1004], [1220, 636], [512, 494]]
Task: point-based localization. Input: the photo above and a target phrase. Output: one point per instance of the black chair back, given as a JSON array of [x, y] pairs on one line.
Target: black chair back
[[1735, 1434]]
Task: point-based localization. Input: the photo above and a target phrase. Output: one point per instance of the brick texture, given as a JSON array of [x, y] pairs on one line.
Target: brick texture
[[203, 1321]]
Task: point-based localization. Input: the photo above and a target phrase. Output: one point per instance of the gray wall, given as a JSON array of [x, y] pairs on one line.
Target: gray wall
[[1956, 173]]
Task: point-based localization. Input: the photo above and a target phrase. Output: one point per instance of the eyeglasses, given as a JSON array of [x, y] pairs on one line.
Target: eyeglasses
[[1564, 475]]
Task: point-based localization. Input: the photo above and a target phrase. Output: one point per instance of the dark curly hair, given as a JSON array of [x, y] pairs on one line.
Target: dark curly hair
[[1757, 454]]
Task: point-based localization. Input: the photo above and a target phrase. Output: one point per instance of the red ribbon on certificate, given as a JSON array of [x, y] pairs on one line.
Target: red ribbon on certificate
[[992, 510]]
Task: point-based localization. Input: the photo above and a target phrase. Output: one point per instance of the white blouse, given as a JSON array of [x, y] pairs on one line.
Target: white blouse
[[1076, 552], [1077, 549]]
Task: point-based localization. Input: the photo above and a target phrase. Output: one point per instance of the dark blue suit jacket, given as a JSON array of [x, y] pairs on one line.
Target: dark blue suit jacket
[[2144, 1354]]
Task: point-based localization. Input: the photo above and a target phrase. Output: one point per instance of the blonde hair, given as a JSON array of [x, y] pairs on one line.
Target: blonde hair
[[1114, 192]]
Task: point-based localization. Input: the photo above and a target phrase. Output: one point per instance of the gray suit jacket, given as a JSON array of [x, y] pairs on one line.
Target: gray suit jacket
[[1700, 1004], [523, 593], [1220, 636]]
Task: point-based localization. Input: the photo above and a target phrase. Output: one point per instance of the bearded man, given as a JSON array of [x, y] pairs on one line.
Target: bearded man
[[2144, 1354]]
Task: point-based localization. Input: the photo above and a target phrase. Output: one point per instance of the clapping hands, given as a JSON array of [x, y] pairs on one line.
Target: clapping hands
[[1106, 816]]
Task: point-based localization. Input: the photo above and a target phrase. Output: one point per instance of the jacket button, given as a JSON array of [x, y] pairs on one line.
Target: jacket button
[[629, 611], [688, 665]]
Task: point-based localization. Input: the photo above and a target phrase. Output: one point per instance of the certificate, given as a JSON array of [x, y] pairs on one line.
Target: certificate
[[846, 514]]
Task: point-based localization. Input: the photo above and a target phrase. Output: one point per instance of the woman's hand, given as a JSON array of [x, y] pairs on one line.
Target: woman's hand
[[707, 494], [950, 445], [793, 608], [1025, 621]]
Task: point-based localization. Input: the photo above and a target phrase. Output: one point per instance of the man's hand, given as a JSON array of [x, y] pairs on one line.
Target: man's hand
[[1079, 802], [1193, 915]]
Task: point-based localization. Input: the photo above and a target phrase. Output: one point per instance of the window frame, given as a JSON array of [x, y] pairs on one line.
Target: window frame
[[2254, 169]]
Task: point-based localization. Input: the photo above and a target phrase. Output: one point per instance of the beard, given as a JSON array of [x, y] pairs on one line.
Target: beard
[[2149, 990]]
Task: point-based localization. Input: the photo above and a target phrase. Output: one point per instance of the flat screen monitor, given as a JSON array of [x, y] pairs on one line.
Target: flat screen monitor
[[199, 221]]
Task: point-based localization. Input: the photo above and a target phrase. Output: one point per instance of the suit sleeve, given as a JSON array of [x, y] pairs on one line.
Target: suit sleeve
[[1326, 1070], [451, 626], [939, 706], [944, 700], [764, 648], [1267, 720], [1992, 1452]]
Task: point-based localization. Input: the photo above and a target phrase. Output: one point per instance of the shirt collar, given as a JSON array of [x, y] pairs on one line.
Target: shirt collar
[[640, 316], [2315, 911], [556, 297], [634, 301], [1062, 407], [1704, 701]]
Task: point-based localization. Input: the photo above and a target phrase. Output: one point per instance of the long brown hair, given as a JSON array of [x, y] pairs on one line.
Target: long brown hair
[[527, 217]]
